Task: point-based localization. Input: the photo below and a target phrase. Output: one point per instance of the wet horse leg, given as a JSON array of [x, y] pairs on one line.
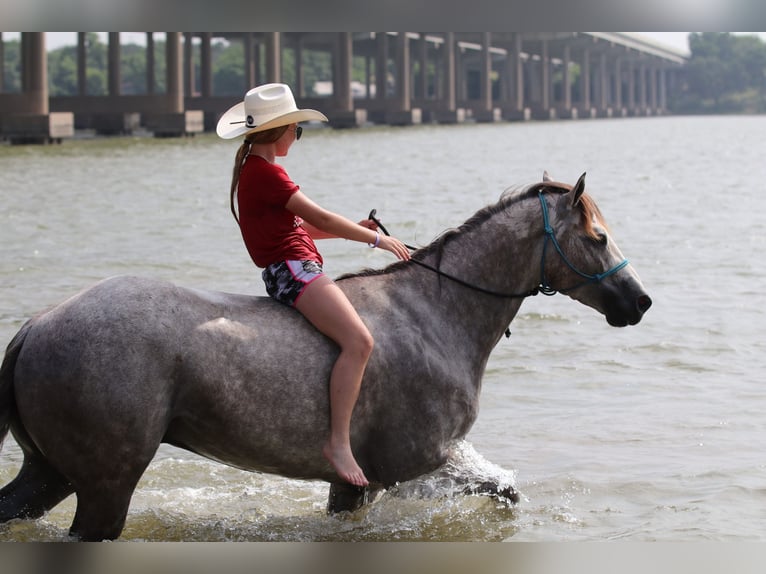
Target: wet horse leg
[[347, 497], [36, 489], [102, 510]]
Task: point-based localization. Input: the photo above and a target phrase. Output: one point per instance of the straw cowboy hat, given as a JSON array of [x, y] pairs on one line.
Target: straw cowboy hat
[[265, 107]]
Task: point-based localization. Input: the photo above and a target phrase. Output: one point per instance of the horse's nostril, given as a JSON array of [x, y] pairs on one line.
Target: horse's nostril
[[643, 303]]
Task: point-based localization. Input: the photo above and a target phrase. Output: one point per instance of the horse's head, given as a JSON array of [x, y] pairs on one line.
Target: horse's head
[[582, 260]]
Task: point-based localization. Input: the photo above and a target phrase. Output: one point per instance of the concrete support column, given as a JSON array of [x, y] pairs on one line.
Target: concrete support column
[[2, 64], [618, 83], [174, 71], [273, 57], [206, 67], [82, 65], [631, 87], [423, 78], [342, 73], [566, 89], [403, 88], [381, 65], [114, 72], [663, 89], [367, 77], [519, 72], [603, 83], [545, 73], [150, 69], [449, 67], [26, 117], [642, 86], [247, 47], [189, 68], [34, 73], [485, 90], [585, 81], [653, 86]]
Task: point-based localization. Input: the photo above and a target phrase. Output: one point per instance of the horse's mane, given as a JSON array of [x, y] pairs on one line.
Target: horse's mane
[[588, 211]]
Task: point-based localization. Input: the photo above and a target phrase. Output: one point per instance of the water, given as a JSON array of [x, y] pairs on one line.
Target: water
[[653, 432]]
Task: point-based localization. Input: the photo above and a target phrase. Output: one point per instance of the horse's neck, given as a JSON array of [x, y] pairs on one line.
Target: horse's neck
[[501, 255]]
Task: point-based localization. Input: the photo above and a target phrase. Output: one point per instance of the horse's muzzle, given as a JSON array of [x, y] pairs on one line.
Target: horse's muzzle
[[624, 313], [643, 302]]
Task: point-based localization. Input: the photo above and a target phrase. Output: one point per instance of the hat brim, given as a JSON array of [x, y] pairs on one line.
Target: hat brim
[[232, 123]]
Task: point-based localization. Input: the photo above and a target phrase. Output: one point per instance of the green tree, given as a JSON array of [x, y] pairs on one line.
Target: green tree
[[228, 61], [11, 66], [726, 73]]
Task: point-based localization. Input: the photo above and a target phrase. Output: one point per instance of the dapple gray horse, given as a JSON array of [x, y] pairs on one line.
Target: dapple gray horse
[[91, 387]]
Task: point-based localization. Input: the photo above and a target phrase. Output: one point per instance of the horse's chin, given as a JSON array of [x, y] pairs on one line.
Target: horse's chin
[[623, 320], [620, 321]]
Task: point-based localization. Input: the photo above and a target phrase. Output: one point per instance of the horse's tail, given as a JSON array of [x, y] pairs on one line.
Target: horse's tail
[[7, 402]]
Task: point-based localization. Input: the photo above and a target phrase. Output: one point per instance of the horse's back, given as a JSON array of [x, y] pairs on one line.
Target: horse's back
[[146, 359]]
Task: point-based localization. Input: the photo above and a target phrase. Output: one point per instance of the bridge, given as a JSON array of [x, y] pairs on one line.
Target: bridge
[[410, 78]]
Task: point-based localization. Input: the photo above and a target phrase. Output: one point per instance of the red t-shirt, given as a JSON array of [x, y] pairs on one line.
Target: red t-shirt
[[271, 232]]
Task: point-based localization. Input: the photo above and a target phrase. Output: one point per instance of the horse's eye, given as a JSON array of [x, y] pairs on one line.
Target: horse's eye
[[601, 238]]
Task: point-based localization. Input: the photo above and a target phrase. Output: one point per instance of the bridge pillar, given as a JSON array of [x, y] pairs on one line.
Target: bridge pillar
[[485, 111], [447, 112], [663, 103], [150, 63], [273, 57], [2, 64], [618, 105], [172, 119], [566, 88], [603, 87], [642, 88], [343, 114], [82, 64], [248, 47], [585, 83], [400, 111], [520, 110], [25, 117]]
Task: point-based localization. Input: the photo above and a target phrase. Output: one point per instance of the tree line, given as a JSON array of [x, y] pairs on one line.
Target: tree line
[[725, 73]]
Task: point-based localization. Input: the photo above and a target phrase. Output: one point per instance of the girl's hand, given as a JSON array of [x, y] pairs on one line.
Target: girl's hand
[[369, 224], [395, 246]]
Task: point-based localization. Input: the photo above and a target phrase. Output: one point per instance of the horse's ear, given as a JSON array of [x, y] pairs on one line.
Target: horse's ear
[[546, 177], [578, 190]]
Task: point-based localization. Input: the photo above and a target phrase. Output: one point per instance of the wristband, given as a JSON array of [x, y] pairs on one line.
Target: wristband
[[377, 241]]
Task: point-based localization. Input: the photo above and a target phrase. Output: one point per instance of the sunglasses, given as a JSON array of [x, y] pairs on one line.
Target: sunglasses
[[298, 132]]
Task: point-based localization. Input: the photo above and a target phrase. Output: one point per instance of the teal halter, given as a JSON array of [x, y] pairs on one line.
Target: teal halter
[[545, 287]]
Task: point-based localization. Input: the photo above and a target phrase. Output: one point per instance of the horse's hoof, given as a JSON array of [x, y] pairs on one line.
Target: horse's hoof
[[493, 489]]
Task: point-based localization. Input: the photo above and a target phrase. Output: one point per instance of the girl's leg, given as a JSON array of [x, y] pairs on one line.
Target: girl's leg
[[328, 309]]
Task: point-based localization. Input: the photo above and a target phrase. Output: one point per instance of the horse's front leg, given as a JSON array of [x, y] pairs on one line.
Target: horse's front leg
[[347, 497]]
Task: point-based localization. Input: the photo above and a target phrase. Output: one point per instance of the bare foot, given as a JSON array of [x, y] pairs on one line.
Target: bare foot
[[342, 460]]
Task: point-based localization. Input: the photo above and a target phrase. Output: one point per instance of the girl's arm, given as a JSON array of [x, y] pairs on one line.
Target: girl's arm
[[321, 223]]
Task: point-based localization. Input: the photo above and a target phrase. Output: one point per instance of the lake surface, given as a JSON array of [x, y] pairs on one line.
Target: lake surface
[[652, 432]]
